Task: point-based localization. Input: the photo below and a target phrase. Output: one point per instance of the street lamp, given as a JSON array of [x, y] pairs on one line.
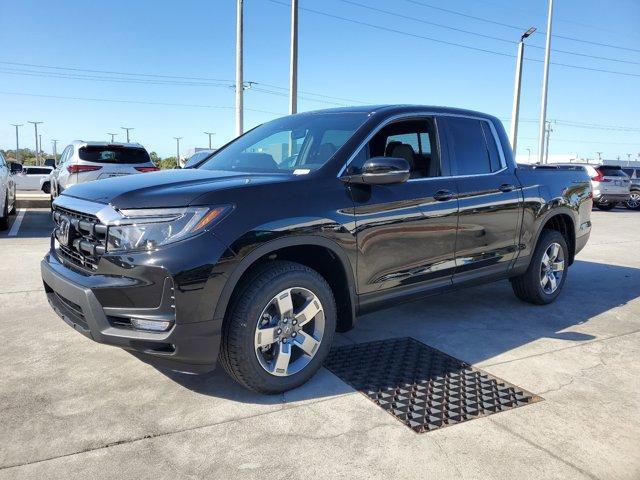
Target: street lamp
[[35, 125], [112, 136], [178, 150], [17, 142], [210, 135], [55, 150], [515, 112], [127, 129]]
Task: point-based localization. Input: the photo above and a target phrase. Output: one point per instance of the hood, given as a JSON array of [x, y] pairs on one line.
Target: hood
[[168, 188]]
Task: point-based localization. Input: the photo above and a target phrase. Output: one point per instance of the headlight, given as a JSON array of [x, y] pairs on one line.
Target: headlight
[[146, 229]]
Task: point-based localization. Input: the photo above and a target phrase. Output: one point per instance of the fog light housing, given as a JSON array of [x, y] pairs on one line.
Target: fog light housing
[[150, 325]]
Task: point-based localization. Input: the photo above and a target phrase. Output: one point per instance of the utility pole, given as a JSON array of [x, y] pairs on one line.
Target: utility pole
[[211, 134], [127, 129], [239, 79], [515, 112], [628, 159], [528, 155], [599, 157], [293, 74], [55, 151], [35, 125], [17, 142], [549, 129], [112, 136], [178, 150], [545, 83], [40, 146]]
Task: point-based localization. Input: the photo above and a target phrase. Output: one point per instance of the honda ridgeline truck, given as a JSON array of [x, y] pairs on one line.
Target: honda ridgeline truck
[[289, 232]]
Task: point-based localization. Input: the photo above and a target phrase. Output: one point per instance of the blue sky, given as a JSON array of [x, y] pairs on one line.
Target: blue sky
[[338, 58]]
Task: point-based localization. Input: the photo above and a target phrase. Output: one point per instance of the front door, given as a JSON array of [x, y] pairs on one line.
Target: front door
[[406, 232], [490, 200]]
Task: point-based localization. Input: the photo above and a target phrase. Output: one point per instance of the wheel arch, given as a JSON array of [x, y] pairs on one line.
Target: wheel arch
[[319, 253], [563, 221]]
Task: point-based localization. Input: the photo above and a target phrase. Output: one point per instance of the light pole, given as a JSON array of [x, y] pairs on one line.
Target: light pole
[[17, 142], [628, 159], [55, 150], [178, 150], [599, 156], [528, 155], [293, 74], [549, 129], [40, 145], [112, 136], [515, 112], [239, 80], [127, 129], [211, 134], [35, 125], [545, 84]]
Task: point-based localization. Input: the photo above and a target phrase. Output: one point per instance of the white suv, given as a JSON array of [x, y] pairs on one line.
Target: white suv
[[87, 161]]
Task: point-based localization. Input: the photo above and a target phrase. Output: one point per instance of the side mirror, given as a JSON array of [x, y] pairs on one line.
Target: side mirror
[[382, 171]]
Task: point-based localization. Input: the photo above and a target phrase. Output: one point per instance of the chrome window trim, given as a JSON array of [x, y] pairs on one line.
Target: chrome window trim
[[400, 116]]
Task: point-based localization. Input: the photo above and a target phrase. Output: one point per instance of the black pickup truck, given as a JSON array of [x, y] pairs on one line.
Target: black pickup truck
[[283, 236]]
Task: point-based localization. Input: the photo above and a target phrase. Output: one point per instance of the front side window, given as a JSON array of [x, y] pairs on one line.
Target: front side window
[[474, 146], [412, 140], [295, 144]]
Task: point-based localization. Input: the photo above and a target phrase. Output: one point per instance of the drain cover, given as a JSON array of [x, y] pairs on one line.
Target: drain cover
[[421, 386]]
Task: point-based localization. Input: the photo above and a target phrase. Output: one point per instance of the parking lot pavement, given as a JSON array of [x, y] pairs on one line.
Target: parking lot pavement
[[70, 408]]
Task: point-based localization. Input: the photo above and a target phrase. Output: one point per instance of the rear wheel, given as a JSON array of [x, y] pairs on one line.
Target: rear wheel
[[542, 282], [279, 329], [634, 200], [46, 187], [606, 206]]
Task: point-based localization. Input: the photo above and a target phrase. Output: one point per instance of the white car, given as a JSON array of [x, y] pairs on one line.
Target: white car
[[88, 161], [7, 194], [33, 178]]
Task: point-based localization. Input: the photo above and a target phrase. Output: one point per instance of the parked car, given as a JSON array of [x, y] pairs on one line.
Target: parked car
[[257, 261], [83, 162], [50, 162], [197, 158], [33, 178], [7, 193], [634, 193]]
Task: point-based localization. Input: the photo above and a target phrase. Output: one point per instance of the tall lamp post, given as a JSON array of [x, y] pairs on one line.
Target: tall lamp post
[[515, 112], [211, 134], [112, 136], [127, 129], [17, 142], [35, 125], [55, 150], [239, 64], [178, 150], [545, 85]]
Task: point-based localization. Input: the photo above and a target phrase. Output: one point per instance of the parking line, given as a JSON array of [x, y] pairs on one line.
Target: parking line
[[16, 225]]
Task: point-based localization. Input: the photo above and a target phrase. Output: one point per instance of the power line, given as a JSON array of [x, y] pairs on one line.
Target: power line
[[520, 28], [482, 35], [455, 44]]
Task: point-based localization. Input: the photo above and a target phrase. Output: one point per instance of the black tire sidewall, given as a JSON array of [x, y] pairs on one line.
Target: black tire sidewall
[[246, 317]]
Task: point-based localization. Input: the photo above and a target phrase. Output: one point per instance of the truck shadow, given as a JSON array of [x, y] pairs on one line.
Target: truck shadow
[[481, 324]]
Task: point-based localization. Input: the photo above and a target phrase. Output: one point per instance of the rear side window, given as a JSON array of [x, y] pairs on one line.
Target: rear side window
[[475, 151], [114, 154], [612, 172]]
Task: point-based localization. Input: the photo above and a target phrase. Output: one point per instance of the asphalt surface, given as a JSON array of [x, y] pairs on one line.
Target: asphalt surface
[[70, 408]]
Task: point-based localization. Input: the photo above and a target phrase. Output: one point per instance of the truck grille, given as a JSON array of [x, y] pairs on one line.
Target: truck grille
[[83, 241]]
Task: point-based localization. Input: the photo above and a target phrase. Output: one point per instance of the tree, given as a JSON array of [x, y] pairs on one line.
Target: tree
[[167, 163], [155, 158]]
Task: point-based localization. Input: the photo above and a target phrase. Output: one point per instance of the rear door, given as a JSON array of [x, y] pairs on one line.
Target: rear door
[[406, 232], [489, 199]]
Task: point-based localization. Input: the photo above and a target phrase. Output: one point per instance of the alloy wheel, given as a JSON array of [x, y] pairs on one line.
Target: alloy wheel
[[289, 331], [552, 268], [634, 200]]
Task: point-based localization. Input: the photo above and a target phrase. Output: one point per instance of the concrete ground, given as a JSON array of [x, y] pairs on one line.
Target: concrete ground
[[70, 408]]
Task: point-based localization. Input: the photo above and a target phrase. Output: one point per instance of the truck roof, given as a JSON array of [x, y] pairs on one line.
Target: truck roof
[[392, 109]]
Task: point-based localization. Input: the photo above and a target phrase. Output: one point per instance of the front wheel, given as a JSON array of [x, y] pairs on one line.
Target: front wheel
[[606, 206], [634, 200], [542, 282], [279, 329]]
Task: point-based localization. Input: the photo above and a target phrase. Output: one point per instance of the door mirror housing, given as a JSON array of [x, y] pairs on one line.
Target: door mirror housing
[[381, 171]]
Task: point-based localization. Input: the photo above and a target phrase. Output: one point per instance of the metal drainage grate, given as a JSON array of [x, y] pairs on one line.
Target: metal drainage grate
[[421, 386]]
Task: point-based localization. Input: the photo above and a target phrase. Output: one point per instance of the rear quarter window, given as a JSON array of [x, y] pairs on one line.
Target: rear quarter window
[[612, 172]]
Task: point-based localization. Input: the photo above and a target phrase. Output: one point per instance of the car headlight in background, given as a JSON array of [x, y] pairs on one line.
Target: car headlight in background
[[147, 229]]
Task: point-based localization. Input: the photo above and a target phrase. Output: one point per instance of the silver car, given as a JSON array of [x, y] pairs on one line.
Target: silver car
[[609, 183], [88, 161]]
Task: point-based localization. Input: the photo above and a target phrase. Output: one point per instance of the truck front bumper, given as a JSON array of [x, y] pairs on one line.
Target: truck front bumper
[[189, 347]]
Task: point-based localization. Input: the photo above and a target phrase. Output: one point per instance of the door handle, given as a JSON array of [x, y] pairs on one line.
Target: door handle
[[443, 195], [506, 187]]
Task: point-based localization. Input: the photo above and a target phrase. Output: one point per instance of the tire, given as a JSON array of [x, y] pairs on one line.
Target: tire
[[256, 305], [4, 218], [606, 206], [528, 286], [634, 200], [46, 187]]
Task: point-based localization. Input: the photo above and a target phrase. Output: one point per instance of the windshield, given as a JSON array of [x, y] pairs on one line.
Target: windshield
[[114, 154], [295, 144]]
